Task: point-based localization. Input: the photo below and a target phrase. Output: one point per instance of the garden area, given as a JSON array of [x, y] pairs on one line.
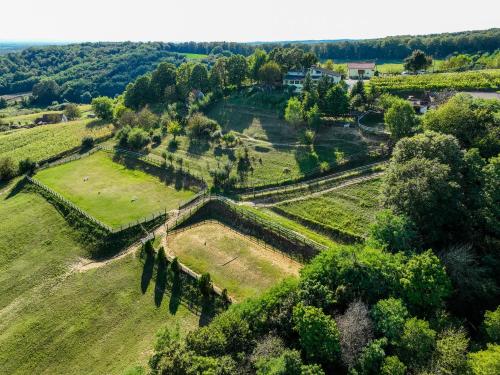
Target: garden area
[[350, 209], [235, 262], [46, 141], [114, 192]]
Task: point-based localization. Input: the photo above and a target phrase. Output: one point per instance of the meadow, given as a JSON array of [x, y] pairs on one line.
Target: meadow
[[56, 320], [46, 141], [350, 209], [115, 193], [471, 80], [245, 268], [26, 117], [276, 149]]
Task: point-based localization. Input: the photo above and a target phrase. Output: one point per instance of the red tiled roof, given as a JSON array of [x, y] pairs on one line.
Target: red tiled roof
[[361, 65]]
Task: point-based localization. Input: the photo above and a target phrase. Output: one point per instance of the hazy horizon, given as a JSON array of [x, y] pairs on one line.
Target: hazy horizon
[[52, 21]]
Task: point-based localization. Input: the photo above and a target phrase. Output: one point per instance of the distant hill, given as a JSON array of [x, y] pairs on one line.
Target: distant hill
[[106, 68]]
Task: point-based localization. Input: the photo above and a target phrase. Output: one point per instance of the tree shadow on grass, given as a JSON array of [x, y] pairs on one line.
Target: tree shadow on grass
[[175, 297], [16, 189], [147, 271], [208, 311], [161, 281]]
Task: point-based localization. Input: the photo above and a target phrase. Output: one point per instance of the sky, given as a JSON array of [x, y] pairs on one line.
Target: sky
[[235, 20]]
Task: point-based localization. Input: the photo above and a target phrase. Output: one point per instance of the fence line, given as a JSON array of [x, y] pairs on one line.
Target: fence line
[[70, 204], [315, 181]]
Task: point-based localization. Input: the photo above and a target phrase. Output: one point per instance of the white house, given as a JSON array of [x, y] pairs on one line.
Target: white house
[[360, 70], [296, 78]]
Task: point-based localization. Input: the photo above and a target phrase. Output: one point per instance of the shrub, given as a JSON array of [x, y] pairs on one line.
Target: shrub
[[293, 111], [451, 353], [87, 142], [7, 169], [103, 108], [485, 362], [156, 137], [27, 166], [137, 138], [200, 126], [492, 325], [72, 111], [393, 232]]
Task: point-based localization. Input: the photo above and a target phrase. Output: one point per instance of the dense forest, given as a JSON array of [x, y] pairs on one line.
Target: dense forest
[[89, 70]]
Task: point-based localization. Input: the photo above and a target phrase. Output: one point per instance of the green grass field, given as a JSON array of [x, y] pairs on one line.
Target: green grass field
[[55, 321], [25, 119], [43, 142], [350, 209], [234, 262], [194, 56], [276, 149], [114, 193]]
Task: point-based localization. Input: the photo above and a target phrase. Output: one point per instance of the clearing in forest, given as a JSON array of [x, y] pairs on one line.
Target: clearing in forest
[[235, 262], [115, 193], [55, 321], [350, 209]]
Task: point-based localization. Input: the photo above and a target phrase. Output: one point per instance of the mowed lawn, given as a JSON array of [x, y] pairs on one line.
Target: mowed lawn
[[110, 191], [234, 262], [350, 209], [57, 321]]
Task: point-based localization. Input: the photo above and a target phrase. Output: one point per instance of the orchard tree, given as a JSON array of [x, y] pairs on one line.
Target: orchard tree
[[400, 120], [293, 111], [236, 66], [103, 108], [418, 60], [174, 128]]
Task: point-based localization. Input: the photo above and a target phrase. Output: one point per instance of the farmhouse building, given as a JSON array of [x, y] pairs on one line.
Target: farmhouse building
[[51, 118], [360, 70], [296, 78]]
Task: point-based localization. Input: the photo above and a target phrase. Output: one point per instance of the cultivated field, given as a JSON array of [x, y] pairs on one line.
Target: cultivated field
[[43, 142], [112, 192], [471, 80], [19, 118], [350, 209], [54, 320], [276, 149], [235, 262]]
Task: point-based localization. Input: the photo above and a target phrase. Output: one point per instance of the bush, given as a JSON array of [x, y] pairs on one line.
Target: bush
[[485, 362], [137, 139], [7, 169], [417, 343], [391, 365], [103, 108], [27, 166], [389, 316], [156, 137], [87, 142], [200, 126], [72, 111], [393, 232], [492, 325]]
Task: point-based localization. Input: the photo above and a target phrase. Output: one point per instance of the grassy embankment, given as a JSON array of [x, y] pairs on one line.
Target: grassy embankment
[[276, 149], [112, 192], [57, 321], [349, 209]]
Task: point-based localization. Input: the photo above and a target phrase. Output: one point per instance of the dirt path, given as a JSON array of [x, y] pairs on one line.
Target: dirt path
[[321, 192], [85, 264]]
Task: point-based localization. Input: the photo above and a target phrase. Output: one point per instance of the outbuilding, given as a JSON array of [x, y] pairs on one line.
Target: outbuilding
[[361, 70]]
